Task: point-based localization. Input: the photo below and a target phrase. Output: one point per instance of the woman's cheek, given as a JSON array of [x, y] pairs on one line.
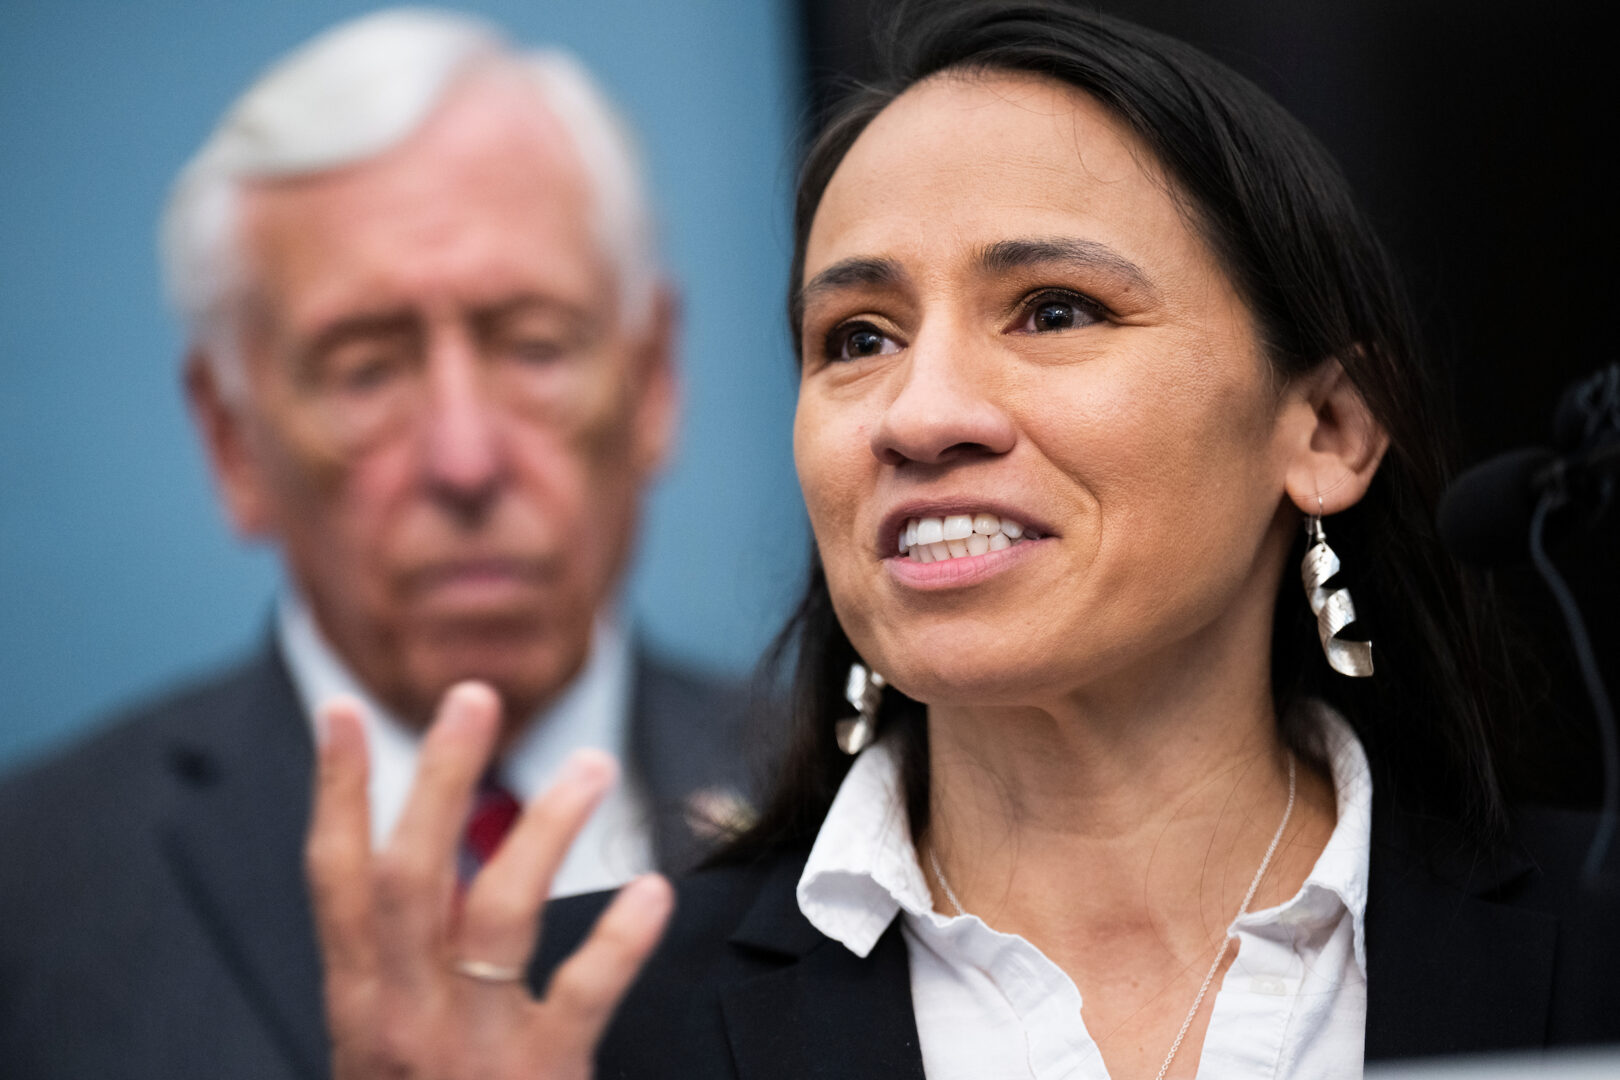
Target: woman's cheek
[[828, 456]]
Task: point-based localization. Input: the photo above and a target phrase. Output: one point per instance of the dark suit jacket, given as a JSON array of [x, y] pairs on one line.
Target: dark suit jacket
[[1463, 955], [154, 922]]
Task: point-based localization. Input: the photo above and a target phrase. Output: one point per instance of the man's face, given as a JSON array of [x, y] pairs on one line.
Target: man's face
[[446, 424]]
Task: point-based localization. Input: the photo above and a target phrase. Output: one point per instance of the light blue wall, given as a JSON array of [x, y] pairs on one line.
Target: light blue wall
[[117, 573]]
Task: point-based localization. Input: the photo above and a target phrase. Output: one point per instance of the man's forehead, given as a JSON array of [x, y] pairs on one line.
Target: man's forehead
[[489, 198], [499, 109], [492, 141]]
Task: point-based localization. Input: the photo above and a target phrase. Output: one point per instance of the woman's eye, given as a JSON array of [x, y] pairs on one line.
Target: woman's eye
[[1049, 312], [1054, 315], [858, 340]]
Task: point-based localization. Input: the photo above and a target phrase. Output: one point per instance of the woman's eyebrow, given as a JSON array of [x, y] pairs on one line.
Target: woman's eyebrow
[[1007, 255], [851, 272]]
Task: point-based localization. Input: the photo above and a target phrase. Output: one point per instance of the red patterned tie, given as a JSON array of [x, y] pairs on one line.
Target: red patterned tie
[[494, 810]]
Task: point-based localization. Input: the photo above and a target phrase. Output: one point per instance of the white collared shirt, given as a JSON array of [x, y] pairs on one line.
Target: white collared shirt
[[1293, 1004], [594, 711]]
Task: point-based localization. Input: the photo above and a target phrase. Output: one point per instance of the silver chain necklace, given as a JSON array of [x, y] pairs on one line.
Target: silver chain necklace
[[1226, 942]]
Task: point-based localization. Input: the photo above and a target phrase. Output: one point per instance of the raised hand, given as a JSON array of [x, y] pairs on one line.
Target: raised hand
[[426, 980]]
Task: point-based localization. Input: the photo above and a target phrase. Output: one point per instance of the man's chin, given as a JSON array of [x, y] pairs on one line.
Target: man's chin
[[525, 680]]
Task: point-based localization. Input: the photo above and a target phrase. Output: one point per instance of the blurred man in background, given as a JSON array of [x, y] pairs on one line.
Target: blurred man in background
[[430, 359]]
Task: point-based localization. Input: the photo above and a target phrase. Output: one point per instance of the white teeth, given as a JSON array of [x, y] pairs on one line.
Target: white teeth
[[956, 536]]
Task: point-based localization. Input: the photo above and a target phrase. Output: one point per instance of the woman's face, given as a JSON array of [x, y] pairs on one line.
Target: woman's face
[[1009, 320]]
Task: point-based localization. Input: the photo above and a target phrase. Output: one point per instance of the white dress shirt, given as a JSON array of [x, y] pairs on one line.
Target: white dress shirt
[[594, 711], [990, 1005]]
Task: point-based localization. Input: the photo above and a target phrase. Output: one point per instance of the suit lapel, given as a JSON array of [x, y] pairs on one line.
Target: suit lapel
[[684, 746], [1449, 971], [824, 1012], [235, 840]]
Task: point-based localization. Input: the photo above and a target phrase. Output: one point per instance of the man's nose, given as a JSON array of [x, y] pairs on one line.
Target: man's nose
[[946, 408], [464, 460]]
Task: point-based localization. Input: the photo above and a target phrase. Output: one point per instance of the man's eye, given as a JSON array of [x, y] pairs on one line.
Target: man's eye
[[1059, 311], [857, 340], [537, 351], [363, 374]]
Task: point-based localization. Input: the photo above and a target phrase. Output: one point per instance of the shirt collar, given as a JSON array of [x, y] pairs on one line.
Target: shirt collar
[[1339, 878], [863, 867], [593, 710]]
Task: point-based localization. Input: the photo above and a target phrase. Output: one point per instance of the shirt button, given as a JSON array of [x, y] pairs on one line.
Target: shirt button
[[1267, 984]]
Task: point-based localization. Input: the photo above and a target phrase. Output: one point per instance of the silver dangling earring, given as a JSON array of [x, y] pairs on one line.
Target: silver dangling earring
[[864, 691], [1333, 607]]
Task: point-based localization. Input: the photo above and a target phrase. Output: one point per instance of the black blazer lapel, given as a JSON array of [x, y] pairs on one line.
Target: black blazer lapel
[[235, 841], [1449, 971], [825, 1012]]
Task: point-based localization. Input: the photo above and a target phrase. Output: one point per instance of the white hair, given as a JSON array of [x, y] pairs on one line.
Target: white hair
[[352, 93]]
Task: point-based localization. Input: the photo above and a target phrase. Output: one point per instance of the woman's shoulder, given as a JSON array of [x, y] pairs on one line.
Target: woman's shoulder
[[1574, 876], [696, 1008], [1471, 948], [742, 985], [1559, 841]]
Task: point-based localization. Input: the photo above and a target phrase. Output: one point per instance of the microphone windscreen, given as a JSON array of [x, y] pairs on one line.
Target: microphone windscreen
[[1484, 516], [1588, 413]]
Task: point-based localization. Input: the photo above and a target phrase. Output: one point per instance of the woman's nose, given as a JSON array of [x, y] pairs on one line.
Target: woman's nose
[[946, 409]]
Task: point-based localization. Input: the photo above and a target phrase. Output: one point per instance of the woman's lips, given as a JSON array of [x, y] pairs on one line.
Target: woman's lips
[[959, 571]]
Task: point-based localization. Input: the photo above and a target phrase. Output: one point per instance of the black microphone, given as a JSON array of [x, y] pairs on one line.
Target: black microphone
[[1588, 413], [1485, 514], [1513, 505]]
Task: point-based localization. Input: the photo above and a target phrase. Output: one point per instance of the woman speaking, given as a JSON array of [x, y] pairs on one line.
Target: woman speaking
[[1099, 364]]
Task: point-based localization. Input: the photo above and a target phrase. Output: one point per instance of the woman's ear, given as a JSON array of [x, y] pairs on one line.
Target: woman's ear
[[1337, 442]]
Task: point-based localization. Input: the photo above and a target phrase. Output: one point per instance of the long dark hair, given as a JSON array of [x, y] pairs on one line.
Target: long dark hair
[[1274, 207]]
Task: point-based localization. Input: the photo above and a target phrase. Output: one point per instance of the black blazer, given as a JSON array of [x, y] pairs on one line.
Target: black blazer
[[154, 922], [1463, 956]]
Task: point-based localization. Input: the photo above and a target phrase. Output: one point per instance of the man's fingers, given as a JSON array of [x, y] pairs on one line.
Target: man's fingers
[[415, 872], [500, 920], [381, 918], [454, 755], [589, 985], [337, 853]]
